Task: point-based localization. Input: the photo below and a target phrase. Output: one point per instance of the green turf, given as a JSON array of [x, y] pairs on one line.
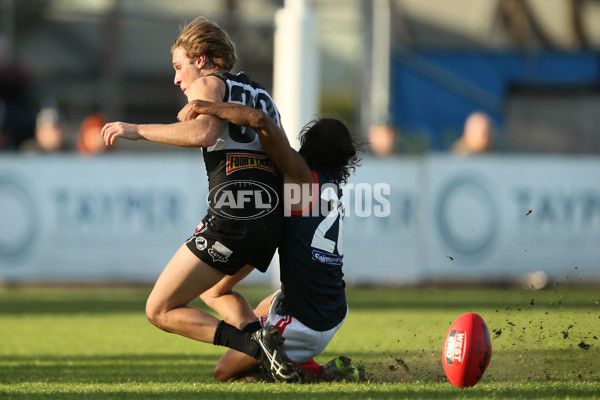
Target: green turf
[[95, 343]]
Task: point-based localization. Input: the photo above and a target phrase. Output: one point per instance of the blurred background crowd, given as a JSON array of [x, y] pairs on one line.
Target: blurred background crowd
[[512, 75]]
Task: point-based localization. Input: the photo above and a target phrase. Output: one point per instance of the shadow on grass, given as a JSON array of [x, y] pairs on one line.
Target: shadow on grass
[[71, 300], [108, 369], [472, 298], [88, 300], [415, 366], [506, 366], [124, 300]]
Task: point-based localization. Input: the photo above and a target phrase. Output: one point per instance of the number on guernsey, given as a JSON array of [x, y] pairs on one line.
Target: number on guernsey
[[319, 241]]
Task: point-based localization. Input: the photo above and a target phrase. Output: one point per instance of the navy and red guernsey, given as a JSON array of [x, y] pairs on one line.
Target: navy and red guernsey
[[311, 260]]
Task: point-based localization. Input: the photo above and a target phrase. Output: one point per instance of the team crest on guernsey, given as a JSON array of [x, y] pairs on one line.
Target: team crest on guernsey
[[220, 252], [240, 161]]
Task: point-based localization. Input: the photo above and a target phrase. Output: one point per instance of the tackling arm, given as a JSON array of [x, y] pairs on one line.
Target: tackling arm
[[272, 137]]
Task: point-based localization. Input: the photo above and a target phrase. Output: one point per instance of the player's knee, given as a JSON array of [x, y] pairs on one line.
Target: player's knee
[[155, 315], [224, 372], [221, 374]]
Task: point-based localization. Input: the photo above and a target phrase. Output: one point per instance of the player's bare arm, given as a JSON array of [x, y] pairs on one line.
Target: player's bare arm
[[273, 139], [199, 132]]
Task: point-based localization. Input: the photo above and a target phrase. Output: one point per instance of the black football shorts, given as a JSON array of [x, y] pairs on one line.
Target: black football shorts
[[227, 244]]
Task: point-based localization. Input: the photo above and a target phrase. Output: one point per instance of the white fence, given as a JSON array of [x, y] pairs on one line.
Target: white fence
[[121, 217]]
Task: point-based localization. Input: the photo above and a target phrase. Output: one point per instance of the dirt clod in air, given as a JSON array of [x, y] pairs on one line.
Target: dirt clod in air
[[584, 345]]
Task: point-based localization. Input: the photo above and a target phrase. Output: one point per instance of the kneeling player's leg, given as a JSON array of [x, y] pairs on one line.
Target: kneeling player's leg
[[264, 306], [234, 365]]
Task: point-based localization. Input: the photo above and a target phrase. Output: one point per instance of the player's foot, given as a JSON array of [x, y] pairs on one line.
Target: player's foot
[[341, 368], [274, 361]]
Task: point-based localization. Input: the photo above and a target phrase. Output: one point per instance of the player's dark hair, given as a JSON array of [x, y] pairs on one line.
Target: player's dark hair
[[327, 145]]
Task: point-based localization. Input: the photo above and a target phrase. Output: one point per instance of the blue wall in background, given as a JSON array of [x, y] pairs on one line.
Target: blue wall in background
[[433, 92]]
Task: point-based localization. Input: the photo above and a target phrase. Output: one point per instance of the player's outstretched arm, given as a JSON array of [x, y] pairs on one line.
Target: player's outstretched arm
[[185, 134], [199, 132], [273, 139]]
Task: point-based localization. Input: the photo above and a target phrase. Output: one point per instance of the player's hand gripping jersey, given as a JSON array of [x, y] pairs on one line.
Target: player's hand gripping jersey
[[244, 220]]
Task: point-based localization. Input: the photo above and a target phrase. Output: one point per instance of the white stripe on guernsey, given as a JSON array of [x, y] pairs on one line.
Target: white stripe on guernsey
[[224, 141], [255, 92]]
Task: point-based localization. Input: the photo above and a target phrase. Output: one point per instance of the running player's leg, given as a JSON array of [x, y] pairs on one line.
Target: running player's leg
[[231, 305], [184, 278], [234, 365]]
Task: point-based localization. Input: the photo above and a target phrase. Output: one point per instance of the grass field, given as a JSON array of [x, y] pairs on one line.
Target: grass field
[[95, 343]]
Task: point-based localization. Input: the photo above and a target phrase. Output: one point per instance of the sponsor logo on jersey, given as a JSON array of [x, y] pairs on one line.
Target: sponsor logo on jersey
[[455, 347], [326, 258], [240, 161], [220, 252]]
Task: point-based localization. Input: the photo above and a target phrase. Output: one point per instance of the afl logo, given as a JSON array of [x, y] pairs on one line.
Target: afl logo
[[242, 200], [17, 218], [467, 216]]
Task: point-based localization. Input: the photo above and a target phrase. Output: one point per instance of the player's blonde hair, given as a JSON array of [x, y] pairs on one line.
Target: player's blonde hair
[[202, 36]]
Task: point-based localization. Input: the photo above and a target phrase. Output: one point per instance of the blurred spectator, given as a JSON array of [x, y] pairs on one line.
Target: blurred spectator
[[18, 122], [478, 135], [382, 140], [49, 134], [89, 140]]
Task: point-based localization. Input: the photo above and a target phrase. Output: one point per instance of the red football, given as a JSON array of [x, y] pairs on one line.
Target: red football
[[467, 350]]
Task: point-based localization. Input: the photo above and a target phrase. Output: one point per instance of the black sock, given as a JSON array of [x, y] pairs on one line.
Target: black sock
[[252, 327], [230, 336]]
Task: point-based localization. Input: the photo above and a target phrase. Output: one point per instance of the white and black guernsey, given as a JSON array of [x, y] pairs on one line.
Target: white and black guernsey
[[243, 182]]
